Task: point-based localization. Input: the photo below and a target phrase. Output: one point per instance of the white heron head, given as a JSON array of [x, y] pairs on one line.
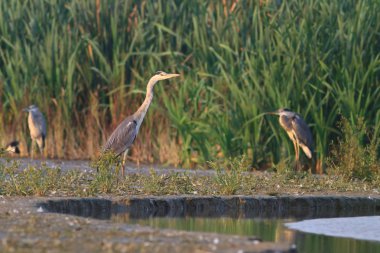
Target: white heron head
[[283, 112], [161, 75], [31, 108]]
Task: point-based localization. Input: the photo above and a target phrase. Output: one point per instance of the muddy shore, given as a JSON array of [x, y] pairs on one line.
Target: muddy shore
[[62, 223], [25, 228], [85, 224]]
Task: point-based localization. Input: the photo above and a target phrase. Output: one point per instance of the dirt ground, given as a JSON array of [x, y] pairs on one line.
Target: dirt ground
[[26, 228]]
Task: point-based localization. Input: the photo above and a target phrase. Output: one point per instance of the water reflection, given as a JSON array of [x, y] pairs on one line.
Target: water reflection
[[262, 217], [360, 228], [269, 230], [266, 229]]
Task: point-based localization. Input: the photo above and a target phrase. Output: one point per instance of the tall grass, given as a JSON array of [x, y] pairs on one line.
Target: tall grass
[[351, 158], [86, 66]]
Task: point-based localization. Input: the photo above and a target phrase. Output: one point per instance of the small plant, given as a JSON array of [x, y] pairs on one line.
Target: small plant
[[39, 181], [230, 179], [180, 183], [30, 181], [105, 178], [173, 183], [350, 156], [284, 167], [151, 184], [106, 161]]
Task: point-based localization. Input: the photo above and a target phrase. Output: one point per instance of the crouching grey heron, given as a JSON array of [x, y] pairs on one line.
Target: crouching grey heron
[[37, 126], [11, 147], [297, 130], [125, 133]]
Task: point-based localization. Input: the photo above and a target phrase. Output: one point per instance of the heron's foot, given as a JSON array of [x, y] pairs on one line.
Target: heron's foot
[[297, 166], [306, 166]]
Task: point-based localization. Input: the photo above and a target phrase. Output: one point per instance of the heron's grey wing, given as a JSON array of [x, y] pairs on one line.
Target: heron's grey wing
[[40, 122], [122, 137], [303, 133]]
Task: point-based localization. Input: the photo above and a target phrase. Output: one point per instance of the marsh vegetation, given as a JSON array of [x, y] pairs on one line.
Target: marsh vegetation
[[85, 63], [231, 180]]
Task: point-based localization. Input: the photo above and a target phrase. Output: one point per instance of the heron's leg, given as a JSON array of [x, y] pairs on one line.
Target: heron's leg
[[43, 152], [123, 162], [296, 149], [40, 146], [32, 149], [298, 157]]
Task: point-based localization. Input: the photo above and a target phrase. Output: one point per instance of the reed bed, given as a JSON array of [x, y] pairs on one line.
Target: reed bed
[[86, 63]]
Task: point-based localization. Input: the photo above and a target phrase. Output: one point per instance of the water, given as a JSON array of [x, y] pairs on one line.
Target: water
[[266, 229], [262, 217], [360, 228]]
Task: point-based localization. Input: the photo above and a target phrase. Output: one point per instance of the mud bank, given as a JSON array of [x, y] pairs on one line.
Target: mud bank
[[236, 206], [25, 227], [86, 224]]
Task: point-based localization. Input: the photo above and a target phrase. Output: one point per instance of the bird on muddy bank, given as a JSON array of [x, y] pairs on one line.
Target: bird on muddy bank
[[12, 147], [297, 130], [125, 133], [37, 127]]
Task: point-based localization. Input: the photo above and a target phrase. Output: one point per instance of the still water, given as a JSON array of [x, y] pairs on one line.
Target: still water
[[266, 229], [301, 221]]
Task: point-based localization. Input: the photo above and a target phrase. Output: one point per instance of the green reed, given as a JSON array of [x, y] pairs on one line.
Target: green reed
[[87, 66]]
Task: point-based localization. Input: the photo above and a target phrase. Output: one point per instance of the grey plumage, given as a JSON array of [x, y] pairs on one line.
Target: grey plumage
[[303, 135], [12, 147], [297, 130], [126, 132], [122, 137], [37, 126]]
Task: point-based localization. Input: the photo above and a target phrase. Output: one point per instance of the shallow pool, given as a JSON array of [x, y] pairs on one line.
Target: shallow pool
[[263, 217], [266, 229]]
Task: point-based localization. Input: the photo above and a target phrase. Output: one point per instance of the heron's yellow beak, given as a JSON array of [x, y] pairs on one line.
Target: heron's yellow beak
[[171, 75], [271, 113], [166, 76]]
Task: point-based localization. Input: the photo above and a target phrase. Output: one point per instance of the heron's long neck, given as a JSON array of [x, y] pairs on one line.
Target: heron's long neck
[[140, 114]]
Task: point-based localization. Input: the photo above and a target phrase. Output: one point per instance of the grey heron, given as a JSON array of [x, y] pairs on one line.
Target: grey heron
[[37, 126], [125, 133], [297, 130], [11, 147]]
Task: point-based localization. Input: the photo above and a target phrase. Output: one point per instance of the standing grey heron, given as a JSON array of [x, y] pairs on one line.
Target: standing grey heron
[[297, 130], [37, 126], [125, 133]]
